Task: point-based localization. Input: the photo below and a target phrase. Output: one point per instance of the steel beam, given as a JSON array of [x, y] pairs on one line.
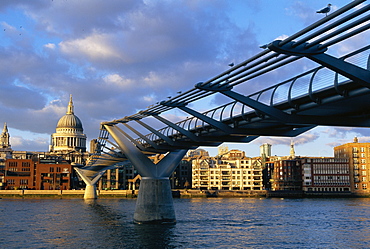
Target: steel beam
[[317, 54], [184, 132], [152, 143], [216, 124], [353, 72]]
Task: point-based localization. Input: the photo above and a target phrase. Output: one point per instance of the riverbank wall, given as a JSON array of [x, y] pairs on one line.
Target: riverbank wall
[[66, 193], [181, 193]]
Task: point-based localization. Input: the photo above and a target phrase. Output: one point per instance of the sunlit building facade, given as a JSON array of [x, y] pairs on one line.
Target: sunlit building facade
[[231, 171], [37, 173], [358, 156], [69, 141], [326, 174]]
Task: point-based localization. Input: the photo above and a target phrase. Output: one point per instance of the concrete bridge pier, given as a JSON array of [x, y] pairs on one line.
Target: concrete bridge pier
[[154, 203], [90, 190]]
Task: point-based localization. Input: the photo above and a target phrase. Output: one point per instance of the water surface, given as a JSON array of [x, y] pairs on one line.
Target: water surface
[[201, 223]]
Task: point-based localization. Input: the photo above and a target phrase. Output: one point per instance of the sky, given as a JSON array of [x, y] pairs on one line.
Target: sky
[[117, 57]]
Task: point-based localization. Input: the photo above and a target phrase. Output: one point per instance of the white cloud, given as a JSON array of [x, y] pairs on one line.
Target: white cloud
[[50, 45], [117, 80], [93, 47], [304, 138], [37, 144]]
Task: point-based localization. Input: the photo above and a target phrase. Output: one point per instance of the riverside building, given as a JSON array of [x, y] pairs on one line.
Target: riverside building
[[45, 170], [230, 171], [37, 173], [358, 156], [325, 174]]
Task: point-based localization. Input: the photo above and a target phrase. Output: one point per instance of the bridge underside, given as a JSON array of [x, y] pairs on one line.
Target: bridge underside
[[297, 116]]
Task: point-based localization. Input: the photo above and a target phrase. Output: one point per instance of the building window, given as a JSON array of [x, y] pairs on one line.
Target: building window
[[10, 181], [363, 166], [25, 164], [23, 181], [364, 186], [12, 164]]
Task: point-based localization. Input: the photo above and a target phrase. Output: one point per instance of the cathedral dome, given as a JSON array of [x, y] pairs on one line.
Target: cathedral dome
[[69, 121], [69, 135]]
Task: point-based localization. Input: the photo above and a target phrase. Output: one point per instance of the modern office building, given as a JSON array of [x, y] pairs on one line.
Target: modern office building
[[325, 174]]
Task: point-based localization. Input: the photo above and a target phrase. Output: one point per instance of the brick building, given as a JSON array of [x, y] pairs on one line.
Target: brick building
[[287, 175], [37, 174], [358, 156]]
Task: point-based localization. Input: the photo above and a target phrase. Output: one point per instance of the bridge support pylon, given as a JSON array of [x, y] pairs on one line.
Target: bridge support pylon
[[90, 190], [154, 203]]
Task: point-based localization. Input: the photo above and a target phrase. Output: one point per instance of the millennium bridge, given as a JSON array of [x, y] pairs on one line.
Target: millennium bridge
[[335, 92]]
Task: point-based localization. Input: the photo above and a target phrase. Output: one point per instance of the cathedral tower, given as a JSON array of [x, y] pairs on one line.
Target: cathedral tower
[[5, 138]]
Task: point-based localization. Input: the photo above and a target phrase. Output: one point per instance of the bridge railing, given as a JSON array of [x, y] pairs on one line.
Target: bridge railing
[[308, 83]]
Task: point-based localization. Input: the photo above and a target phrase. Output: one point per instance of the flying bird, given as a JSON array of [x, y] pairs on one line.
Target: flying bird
[[231, 64], [324, 10], [264, 46]]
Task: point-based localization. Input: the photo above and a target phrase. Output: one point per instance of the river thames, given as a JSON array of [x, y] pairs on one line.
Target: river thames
[[201, 223]]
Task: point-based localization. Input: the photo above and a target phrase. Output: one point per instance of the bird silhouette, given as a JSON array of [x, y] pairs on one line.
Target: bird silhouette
[[231, 64], [264, 46], [324, 10]]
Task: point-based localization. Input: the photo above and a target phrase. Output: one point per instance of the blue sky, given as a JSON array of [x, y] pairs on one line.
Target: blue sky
[[117, 57]]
